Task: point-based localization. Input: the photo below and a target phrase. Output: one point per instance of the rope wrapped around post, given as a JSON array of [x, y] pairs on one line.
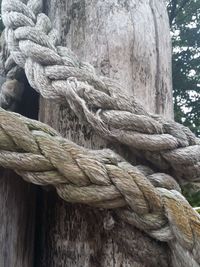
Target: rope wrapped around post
[[57, 73], [150, 201]]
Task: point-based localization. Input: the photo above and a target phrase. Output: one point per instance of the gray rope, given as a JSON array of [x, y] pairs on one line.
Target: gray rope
[[11, 89]]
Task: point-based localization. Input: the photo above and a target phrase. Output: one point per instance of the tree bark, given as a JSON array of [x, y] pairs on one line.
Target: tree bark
[[123, 39]]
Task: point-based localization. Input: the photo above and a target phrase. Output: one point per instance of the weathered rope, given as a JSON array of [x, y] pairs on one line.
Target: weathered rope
[[150, 201], [11, 89], [8, 67], [57, 73]]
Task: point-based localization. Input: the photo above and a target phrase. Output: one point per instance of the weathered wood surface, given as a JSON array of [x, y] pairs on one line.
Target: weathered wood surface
[[17, 205], [124, 40], [17, 221], [128, 40]]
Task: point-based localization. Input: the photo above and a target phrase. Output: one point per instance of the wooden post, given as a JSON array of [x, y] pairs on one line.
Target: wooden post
[[17, 221], [128, 40], [18, 204]]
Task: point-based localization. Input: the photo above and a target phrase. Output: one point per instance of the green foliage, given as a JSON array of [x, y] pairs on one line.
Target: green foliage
[[192, 192], [184, 16], [1, 23]]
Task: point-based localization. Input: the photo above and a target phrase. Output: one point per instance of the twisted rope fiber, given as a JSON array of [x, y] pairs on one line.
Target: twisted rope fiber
[[8, 67], [150, 201], [50, 68], [57, 73]]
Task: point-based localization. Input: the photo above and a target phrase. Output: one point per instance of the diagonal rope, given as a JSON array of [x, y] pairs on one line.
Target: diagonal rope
[[100, 178]]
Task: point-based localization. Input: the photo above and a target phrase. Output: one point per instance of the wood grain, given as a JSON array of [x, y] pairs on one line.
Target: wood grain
[[17, 221], [124, 40]]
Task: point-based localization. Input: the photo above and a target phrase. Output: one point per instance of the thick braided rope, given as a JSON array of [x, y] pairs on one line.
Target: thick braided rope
[[150, 201], [57, 73], [80, 99]]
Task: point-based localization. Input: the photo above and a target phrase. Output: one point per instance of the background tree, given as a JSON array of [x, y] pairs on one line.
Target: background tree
[[184, 17], [1, 23]]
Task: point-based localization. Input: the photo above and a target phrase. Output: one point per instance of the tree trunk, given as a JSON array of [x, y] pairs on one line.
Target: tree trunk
[[123, 39]]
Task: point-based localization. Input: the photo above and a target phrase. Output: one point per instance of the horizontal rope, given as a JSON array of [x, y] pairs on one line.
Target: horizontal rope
[[100, 178]]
